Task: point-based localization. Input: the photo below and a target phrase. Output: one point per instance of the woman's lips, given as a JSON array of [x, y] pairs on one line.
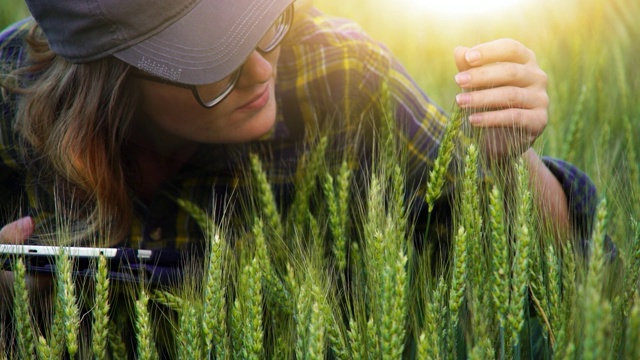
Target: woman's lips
[[256, 102]]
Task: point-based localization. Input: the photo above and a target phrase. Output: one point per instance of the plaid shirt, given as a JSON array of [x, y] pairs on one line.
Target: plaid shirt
[[328, 69]]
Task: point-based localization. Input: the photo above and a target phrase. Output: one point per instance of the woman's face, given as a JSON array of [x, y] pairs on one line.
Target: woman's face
[[173, 118]]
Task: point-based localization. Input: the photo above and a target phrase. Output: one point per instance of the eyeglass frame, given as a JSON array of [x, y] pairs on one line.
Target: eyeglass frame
[[235, 75]]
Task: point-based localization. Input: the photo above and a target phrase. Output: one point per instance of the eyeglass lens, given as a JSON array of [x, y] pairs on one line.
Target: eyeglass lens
[[211, 94]]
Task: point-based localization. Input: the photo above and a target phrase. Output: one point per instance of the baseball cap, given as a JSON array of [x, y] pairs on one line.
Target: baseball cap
[[187, 41]]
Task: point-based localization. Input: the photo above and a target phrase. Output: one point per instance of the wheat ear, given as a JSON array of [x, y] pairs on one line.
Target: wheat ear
[[100, 328], [69, 303], [438, 173], [22, 315], [146, 347]]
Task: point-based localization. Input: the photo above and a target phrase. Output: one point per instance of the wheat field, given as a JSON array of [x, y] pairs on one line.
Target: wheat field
[[350, 283]]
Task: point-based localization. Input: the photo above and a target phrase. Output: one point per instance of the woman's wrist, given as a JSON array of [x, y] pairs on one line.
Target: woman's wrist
[[548, 194]]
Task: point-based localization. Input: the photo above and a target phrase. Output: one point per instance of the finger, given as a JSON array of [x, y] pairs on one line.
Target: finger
[[502, 74], [531, 121], [17, 232], [501, 50], [499, 143], [459, 56], [504, 97]]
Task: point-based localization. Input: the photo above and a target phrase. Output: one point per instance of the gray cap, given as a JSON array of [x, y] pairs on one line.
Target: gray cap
[[187, 41]]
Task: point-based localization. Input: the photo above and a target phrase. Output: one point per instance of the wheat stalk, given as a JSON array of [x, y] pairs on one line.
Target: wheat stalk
[[146, 347], [470, 201], [595, 342], [500, 252], [397, 209], [596, 249], [337, 200], [632, 348], [357, 340], [44, 350], [393, 307], [596, 307], [520, 279], [555, 285], [199, 215], [316, 332], [56, 333], [303, 318], [576, 124], [483, 350], [334, 334], [265, 196], [564, 345], [624, 302], [310, 323], [189, 337], [237, 347], [630, 151], [253, 330], [22, 315], [309, 167], [71, 313], [371, 339], [459, 276], [430, 341], [247, 326], [100, 328], [168, 299], [632, 270], [213, 317], [438, 173], [117, 347]]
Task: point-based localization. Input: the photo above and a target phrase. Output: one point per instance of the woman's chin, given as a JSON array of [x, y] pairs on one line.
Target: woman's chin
[[257, 126]]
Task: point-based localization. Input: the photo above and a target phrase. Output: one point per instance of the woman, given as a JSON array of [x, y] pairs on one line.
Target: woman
[[111, 112]]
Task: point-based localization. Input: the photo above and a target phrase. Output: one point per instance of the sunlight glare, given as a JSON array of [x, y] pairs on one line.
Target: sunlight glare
[[462, 7]]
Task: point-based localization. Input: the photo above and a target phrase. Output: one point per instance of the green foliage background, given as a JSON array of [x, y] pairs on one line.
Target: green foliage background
[[12, 10]]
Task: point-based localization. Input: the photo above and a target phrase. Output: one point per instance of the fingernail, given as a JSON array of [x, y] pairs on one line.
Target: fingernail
[[475, 118], [463, 99], [462, 78], [472, 56]]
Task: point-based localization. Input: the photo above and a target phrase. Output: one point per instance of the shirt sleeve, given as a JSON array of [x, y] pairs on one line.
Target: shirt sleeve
[[12, 170], [583, 201]]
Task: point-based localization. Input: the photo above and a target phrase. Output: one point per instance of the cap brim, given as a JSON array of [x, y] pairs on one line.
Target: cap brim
[[208, 43]]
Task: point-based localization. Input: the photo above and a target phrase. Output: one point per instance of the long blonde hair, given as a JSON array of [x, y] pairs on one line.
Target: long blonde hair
[[75, 118]]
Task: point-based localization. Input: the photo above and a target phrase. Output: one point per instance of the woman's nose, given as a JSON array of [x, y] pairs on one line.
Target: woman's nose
[[256, 70]]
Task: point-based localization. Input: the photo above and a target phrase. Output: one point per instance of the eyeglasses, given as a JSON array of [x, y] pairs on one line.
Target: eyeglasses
[[210, 95]]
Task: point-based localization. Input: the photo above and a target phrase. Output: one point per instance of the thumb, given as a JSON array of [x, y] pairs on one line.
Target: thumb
[[17, 232], [459, 56]]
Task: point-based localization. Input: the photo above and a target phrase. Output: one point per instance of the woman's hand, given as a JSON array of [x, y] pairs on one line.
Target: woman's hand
[[505, 91], [17, 232]]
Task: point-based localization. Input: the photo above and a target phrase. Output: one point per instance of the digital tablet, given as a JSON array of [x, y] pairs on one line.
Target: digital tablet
[[73, 251], [154, 267]]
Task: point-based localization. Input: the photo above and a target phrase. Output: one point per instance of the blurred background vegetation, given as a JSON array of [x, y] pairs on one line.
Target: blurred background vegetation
[[587, 47], [11, 10]]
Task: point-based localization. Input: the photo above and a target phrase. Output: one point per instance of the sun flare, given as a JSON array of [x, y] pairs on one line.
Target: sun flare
[[463, 7]]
